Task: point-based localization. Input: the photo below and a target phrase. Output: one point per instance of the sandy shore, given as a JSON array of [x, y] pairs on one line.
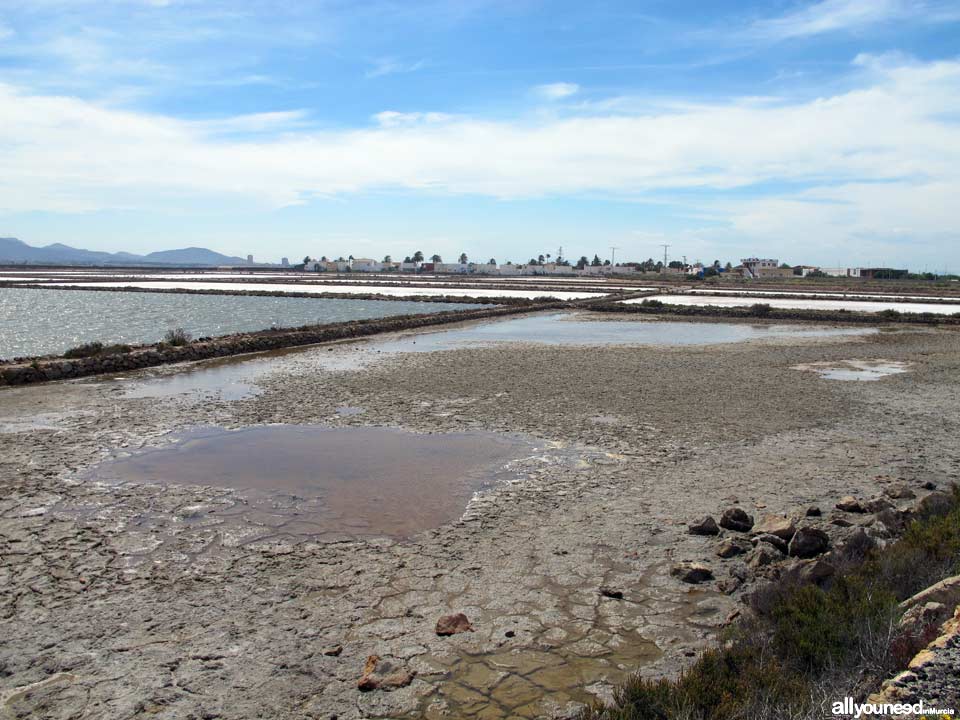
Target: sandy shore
[[141, 600]]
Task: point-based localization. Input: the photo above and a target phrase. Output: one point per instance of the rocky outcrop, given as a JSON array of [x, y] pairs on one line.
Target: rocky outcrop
[[778, 525], [850, 504]]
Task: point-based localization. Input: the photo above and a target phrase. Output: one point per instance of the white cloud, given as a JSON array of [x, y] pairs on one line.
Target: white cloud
[[833, 15], [878, 164], [392, 66], [556, 91]]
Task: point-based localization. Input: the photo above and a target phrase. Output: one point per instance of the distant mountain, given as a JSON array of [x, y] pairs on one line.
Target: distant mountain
[[13, 250]]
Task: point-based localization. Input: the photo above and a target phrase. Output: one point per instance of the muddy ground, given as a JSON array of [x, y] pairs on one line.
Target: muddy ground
[[190, 602]]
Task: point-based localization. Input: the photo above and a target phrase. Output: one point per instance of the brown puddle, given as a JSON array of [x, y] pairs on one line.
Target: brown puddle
[[316, 481]]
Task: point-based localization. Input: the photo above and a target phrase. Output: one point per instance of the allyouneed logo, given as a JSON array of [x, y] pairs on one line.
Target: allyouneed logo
[[919, 710]]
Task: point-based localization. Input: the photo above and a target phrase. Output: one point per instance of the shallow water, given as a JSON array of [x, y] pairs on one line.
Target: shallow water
[[856, 370], [319, 481], [39, 322]]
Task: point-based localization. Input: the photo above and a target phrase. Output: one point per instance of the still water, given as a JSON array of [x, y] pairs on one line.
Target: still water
[[42, 322]]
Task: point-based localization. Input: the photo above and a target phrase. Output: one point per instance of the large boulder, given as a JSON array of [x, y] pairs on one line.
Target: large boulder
[[900, 491], [776, 542], [809, 542], [778, 525], [762, 555], [736, 519], [704, 526]]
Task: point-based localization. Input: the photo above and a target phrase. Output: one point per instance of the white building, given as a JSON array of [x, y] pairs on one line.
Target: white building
[[841, 272], [754, 266], [366, 265]]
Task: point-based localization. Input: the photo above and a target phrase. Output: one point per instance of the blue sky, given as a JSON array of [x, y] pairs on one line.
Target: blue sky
[[819, 132]]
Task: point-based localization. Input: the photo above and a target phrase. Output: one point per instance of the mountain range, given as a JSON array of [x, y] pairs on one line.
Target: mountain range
[[16, 251]]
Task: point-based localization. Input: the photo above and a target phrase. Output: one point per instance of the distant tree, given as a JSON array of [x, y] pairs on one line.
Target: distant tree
[[351, 257], [675, 264], [387, 259], [306, 259], [407, 259], [728, 267], [324, 259], [340, 259], [418, 256], [540, 259], [658, 267], [582, 262], [596, 261], [716, 263], [606, 263], [436, 258], [785, 266], [532, 261], [491, 261], [710, 271], [463, 258]]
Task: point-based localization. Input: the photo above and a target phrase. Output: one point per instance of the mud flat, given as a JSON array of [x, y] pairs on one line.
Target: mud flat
[[173, 598]]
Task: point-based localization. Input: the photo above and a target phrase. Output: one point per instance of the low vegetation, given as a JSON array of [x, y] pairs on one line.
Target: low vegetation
[[177, 337], [95, 349], [806, 645]]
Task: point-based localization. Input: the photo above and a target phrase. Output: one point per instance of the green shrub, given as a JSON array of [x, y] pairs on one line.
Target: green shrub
[[889, 314], [85, 350], [177, 337], [760, 309], [651, 303], [95, 348]]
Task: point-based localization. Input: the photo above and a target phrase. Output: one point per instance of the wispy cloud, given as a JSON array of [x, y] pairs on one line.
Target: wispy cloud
[[828, 16], [392, 66], [556, 91]]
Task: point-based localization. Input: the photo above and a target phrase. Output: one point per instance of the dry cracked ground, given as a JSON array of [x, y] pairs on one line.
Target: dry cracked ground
[[176, 601]]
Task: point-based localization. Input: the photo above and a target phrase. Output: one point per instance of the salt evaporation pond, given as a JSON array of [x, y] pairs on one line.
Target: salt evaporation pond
[[850, 305], [317, 288], [41, 322], [320, 481]]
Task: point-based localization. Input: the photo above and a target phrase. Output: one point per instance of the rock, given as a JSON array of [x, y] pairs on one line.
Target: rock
[[333, 650], [762, 555], [877, 504], [380, 674], [779, 543], [733, 546], [611, 593], [813, 511], [850, 504], [947, 592], [920, 618], [778, 525], [453, 624], [704, 526], [692, 572], [901, 491], [817, 571], [936, 503], [740, 570], [809, 542], [736, 519]]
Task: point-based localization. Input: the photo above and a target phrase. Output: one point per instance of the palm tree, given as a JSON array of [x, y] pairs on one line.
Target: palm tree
[[418, 256], [306, 259], [491, 261], [387, 259], [463, 258], [436, 259]]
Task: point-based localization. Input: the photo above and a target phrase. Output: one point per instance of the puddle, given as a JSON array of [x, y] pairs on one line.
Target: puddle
[[347, 411], [305, 480], [857, 370]]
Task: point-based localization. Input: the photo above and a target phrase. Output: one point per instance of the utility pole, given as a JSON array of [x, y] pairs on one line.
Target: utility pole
[[613, 254], [665, 256]]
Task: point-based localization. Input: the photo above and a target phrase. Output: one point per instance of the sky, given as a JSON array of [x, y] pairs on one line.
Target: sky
[[821, 132]]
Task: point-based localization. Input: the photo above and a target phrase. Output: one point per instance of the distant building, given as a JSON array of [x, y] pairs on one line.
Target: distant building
[[249, 259], [841, 271], [365, 265], [285, 262], [754, 266]]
